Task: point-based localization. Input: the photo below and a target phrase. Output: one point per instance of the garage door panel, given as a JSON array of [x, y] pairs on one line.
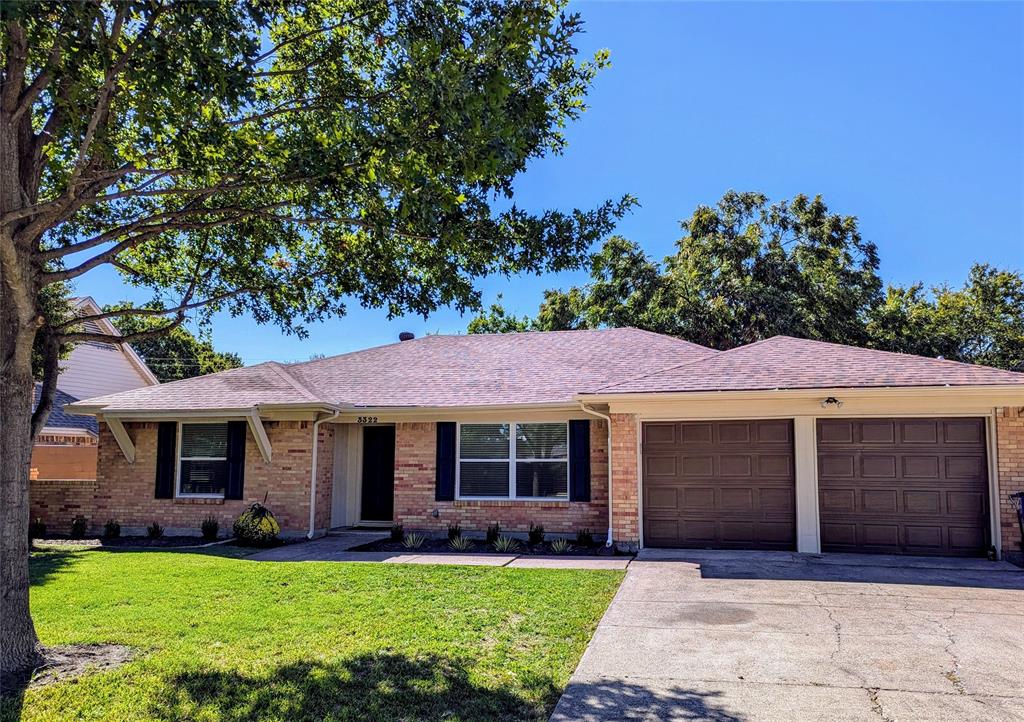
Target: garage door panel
[[918, 485], [921, 467], [877, 431], [922, 502], [658, 465], [733, 486], [965, 431], [659, 434]]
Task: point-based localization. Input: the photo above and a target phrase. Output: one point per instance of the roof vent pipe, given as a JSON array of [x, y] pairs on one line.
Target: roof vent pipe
[[406, 336]]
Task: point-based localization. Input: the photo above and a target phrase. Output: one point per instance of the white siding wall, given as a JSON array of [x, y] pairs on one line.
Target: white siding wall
[[96, 370]]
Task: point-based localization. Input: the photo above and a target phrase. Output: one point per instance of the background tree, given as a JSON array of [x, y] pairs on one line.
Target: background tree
[[178, 354], [275, 159], [746, 270]]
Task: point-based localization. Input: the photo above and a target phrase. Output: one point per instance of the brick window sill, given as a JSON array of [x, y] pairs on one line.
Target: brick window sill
[[552, 503], [199, 501]]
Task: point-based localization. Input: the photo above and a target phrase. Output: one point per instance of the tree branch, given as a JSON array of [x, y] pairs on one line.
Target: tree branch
[[51, 360], [180, 308]]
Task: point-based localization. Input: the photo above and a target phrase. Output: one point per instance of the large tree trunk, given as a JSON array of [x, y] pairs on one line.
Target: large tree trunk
[[19, 322], [19, 645]]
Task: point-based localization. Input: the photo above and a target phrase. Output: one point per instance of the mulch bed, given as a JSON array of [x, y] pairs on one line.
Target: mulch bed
[[439, 545]]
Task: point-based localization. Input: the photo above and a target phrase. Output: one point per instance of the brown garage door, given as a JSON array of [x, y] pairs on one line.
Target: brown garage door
[[719, 484], [903, 486]]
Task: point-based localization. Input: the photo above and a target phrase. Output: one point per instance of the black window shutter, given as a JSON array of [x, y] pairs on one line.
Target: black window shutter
[[445, 490], [579, 460], [236, 460], [166, 451]]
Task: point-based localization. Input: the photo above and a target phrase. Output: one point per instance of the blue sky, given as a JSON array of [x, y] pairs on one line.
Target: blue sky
[[909, 116]]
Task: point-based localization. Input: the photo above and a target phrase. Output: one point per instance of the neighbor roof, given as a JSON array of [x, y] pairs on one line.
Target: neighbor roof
[[433, 371], [58, 419], [783, 362]]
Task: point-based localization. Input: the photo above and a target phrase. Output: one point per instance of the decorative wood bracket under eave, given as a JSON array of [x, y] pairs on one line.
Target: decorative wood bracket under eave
[[260, 434], [122, 438]]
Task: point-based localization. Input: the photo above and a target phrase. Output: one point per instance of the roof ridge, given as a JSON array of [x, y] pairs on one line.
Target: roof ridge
[[293, 381], [711, 353]]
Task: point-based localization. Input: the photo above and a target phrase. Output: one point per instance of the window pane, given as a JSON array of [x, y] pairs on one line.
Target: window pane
[[542, 441], [548, 479], [203, 477], [204, 440], [483, 441], [483, 478]]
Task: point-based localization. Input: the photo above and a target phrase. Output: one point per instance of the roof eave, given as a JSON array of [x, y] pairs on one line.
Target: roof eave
[[1014, 393]]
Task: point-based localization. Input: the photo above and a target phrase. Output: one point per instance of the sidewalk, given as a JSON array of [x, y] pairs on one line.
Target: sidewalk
[[338, 548]]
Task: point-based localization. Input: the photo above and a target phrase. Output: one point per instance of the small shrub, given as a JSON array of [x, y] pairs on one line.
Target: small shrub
[[454, 531], [536, 535], [78, 525], [493, 532], [460, 543], [506, 544], [585, 538], [210, 527], [155, 531], [560, 546], [413, 540], [111, 530], [397, 532], [36, 529], [256, 526]]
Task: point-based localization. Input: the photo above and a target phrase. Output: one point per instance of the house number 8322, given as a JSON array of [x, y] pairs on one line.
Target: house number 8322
[[366, 419]]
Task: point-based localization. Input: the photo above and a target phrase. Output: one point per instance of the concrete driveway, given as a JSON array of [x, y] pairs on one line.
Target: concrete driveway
[[775, 636]]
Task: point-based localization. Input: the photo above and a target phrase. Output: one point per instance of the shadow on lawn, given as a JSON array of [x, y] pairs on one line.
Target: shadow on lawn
[[383, 686], [45, 563]]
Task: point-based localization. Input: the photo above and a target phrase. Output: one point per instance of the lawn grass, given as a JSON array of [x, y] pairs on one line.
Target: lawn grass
[[225, 638]]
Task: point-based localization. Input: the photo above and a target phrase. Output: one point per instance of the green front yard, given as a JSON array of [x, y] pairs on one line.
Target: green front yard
[[223, 638]]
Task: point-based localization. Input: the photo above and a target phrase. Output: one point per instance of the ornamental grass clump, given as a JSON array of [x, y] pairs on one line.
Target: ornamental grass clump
[[111, 530], [535, 535], [506, 544], [256, 526], [413, 540], [209, 528], [78, 527], [454, 531]]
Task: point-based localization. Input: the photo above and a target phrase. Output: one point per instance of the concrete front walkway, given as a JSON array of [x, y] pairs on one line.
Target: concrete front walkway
[[338, 548], [729, 636]]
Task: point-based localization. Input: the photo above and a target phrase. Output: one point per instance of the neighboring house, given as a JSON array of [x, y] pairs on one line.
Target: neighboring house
[[781, 444], [65, 451]]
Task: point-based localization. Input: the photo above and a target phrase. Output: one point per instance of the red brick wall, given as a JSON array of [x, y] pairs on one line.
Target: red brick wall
[[125, 491], [324, 475], [56, 503], [63, 462], [1010, 452], [415, 449], [625, 507]]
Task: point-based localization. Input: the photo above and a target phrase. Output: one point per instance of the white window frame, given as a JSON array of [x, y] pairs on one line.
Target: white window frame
[[178, 493], [511, 460]]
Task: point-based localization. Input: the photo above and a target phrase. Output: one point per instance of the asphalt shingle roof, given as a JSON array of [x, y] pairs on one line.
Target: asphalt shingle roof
[[547, 367], [783, 362], [433, 371]]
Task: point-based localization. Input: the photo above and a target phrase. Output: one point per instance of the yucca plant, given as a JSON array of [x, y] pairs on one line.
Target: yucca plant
[[413, 540], [560, 546], [460, 544], [506, 544]]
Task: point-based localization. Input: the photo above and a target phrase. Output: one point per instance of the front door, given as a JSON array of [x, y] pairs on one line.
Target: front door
[[378, 473]]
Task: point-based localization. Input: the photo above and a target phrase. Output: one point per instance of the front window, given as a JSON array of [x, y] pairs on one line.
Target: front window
[[514, 461], [203, 459]]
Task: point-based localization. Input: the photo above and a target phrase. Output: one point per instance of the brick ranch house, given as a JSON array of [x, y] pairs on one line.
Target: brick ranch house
[[650, 440]]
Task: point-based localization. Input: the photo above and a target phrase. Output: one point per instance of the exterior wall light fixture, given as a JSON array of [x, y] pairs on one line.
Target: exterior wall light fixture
[[831, 403]]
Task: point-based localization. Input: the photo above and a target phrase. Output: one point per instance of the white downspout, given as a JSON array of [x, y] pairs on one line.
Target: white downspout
[[608, 420], [312, 480]]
